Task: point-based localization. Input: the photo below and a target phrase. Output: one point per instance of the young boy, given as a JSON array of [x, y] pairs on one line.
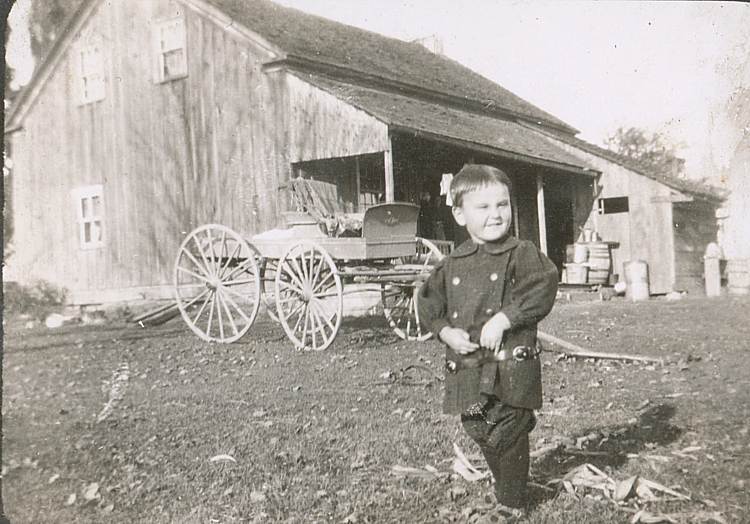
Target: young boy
[[484, 301]]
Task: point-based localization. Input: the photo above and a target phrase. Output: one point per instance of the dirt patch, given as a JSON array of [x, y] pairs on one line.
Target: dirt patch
[[314, 436]]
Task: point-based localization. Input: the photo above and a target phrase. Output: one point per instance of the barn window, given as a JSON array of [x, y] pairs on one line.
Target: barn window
[[608, 206], [91, 69], [90, 216], [171, 52]]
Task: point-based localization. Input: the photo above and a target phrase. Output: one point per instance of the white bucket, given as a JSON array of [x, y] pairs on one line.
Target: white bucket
[[576, 273], [580, 253], [636, 278]]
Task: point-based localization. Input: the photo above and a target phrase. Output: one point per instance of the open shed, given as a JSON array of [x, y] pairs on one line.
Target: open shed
[[660, 219]]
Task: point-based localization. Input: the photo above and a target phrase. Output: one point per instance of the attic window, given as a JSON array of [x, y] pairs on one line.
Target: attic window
[[90, 216], [608, 206], [171, 52], [91, 67]]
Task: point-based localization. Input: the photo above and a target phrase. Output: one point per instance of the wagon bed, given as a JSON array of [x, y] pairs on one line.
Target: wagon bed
[[300, 274]]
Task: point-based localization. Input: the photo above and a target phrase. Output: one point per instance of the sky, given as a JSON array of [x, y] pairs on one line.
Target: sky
[[665, 67]]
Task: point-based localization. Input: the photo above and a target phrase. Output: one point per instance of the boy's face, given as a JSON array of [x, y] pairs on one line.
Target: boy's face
[[485, 212]]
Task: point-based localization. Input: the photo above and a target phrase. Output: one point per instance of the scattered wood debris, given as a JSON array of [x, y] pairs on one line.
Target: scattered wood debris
[[407, 376], [573, 350], [631, 494], [426, 473], [222, 458], [157, 316]]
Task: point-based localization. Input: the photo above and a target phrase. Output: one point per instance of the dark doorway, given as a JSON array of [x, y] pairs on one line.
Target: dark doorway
[[558, 208]]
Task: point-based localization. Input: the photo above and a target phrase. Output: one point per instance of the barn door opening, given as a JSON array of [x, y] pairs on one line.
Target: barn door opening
[[346, 184], [558, 207]]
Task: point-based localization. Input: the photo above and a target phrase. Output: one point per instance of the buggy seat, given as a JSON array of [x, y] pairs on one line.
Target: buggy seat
[[320, 200]]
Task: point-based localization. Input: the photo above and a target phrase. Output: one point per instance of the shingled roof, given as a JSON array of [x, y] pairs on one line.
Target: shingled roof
[[689, 187], [310, 39], [444, 123], [309, 42]]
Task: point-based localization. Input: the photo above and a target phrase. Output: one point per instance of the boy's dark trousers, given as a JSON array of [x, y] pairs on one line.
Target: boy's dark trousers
[[502, 433]]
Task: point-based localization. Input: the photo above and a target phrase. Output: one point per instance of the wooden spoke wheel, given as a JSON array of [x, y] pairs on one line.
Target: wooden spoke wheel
[[217, 284], [309, 296], [400, 300]]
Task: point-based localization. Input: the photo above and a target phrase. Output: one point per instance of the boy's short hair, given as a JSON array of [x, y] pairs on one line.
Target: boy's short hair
[[476, 176]]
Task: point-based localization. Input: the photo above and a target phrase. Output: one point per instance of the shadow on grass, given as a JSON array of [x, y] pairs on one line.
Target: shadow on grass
[[652, 428], [40, 341], [354, 330], [373, 328]]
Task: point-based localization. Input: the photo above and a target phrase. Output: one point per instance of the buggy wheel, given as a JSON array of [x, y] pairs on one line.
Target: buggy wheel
[[217, 284], [309, 296], [400, 300]]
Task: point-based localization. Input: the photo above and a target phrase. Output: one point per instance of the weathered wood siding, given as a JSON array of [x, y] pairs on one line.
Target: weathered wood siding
[[322, 126], [212, 147], [651, 236], [645, 231]]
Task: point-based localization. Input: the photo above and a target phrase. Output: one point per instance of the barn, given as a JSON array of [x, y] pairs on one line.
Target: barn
[[148, 119]]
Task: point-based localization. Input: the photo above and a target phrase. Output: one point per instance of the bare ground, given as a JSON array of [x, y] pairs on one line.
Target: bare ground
[[313, 437]]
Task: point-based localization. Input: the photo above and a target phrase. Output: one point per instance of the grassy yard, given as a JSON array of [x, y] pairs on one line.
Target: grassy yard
[[255, 432]]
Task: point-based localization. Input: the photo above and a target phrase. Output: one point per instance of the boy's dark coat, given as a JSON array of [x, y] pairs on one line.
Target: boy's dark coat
[[471, 285]]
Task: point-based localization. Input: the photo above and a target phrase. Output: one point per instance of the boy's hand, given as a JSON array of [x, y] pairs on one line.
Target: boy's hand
[[492, 332], [458, 340]]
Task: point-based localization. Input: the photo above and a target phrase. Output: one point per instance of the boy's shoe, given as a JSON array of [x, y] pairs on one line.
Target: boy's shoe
[[506, 513], [510, 514]]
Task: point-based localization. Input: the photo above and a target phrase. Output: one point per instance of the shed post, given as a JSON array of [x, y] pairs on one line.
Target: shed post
[[540, 214], [514, 205], [358, 185], [388, 163], [711, 270]]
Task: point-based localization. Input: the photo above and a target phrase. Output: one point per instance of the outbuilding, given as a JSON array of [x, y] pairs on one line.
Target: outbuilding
[[148, 119]]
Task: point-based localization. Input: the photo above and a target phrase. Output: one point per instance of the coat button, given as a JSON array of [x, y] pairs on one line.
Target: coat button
[[493, 276], [488, 311], [456, 281], [455, 314]]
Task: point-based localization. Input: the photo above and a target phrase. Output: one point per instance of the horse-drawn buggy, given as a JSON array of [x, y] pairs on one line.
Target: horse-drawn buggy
[[301, 273]]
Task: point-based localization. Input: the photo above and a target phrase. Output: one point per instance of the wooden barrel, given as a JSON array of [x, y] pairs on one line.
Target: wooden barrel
[[569, 253], [599, 262], [636, 280], [580, 253], [576, 273], [738, 276]]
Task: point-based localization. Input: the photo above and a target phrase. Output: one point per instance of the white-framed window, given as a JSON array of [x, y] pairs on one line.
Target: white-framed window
[[89, 205], [171, 49], [91, 72]]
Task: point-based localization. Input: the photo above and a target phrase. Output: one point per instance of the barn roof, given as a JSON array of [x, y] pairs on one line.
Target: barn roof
[[308, 42], [500, 137], [316, 40], [689, 187]]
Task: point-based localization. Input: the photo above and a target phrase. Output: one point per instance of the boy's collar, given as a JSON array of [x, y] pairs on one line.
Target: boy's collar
[[494, 248]]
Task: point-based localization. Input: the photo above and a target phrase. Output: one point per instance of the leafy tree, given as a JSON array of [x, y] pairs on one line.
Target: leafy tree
[[46, 20], [650, 150]]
